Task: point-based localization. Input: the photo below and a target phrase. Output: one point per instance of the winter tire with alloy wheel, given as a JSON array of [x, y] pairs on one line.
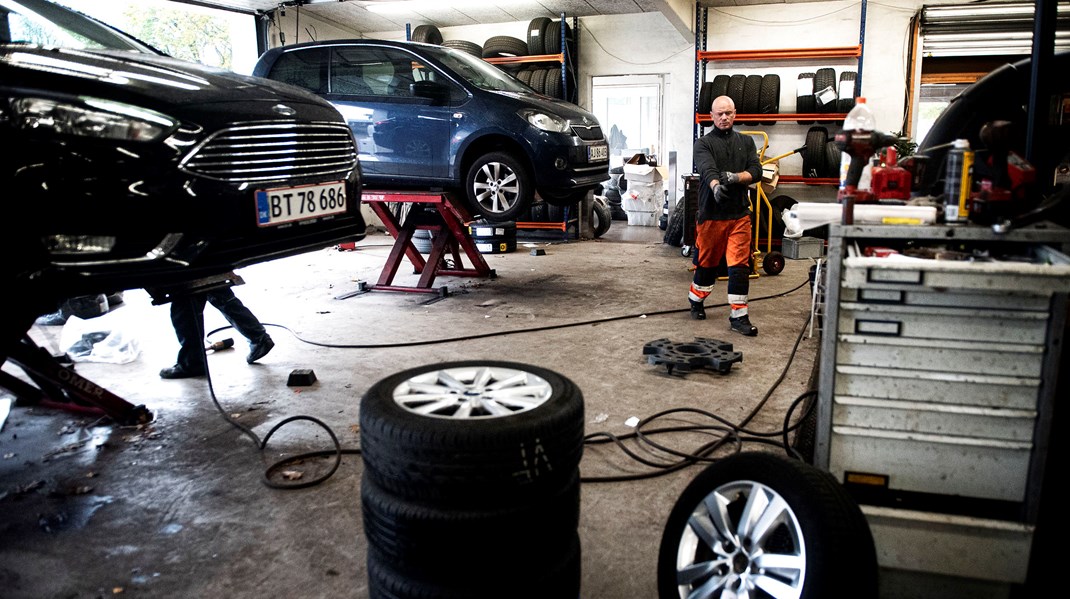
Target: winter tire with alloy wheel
[[498, 187], [470, 433], [761, 525]]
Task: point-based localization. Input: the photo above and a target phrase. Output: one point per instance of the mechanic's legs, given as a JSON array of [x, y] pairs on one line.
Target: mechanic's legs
[[710, 243], [244, 321], [187, 317], [738, 255]]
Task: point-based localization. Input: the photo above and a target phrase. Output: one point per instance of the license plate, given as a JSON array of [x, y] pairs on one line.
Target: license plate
[[289, 204], [599, 152]]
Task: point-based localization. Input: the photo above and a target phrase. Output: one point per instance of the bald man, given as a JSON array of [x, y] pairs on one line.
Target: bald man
[[727, 162]]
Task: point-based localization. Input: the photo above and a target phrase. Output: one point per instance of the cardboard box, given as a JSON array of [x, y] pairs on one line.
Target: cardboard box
[[643, 173]]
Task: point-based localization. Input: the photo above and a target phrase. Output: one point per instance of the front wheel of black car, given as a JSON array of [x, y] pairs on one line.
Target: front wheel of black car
[[499, 187]]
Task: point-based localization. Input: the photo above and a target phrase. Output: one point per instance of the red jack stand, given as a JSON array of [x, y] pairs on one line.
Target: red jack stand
[[451, 234], [61, 387]]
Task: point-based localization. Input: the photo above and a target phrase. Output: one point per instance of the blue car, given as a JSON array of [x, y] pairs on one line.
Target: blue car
[[428, 116]]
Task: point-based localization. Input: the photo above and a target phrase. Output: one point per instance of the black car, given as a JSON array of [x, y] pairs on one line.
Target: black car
[[428, 116], [124, 168]]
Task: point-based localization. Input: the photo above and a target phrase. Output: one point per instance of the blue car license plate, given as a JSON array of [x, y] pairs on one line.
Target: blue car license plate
[[288, 204]]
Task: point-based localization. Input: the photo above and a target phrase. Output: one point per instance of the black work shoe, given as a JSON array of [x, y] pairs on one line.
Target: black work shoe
[[698, 311], [178, 372], [259, 349], [743, 326]]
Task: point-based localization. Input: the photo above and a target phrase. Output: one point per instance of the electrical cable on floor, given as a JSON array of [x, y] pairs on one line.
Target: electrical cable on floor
[[730, 431], [733, 432]]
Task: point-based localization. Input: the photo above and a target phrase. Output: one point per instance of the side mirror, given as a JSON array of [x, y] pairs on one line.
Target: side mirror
[[436, 92]]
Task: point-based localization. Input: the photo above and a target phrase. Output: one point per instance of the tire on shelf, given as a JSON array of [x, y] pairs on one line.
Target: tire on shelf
[[720, 86], [832, 159], [769, 97], [705, 98], [498, 187], [736, 84], [424, 438], [539, 212], [428, 34], [804, 96], [525, 76], [846, 91], [538, 80], [552, 83], [823, 78], [552, 41], [537, 35], [816, 543], [814, 152], [465, 46], [752, 90], [501, 46]]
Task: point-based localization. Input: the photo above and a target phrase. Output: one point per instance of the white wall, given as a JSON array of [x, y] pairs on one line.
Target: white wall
[[648, 43]]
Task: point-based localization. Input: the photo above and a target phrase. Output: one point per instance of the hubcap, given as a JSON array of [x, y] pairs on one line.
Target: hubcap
[[474, 392], [743, 537], [496, 187]]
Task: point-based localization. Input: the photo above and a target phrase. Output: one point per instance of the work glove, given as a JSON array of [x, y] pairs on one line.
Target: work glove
[[720, 194], [729, 178]]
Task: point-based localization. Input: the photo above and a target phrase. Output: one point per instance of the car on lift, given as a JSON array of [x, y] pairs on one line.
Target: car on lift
[[431, 117], [125, 168]]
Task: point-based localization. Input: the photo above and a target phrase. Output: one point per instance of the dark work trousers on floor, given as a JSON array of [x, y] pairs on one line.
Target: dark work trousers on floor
[[187, 316]]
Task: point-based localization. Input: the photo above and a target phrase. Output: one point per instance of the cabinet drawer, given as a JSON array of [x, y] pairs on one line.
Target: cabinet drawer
[[1049, 273], [947, 298], [933, 418], [975, 389], [925, 322], [941, 355], [967, 466]]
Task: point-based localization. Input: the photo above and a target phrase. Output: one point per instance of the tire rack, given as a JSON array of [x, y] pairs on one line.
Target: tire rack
[[451, 234], [563, 57], [703, 56]]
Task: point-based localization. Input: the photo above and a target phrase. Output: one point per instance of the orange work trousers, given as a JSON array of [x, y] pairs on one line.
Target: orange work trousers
[[729, 239]]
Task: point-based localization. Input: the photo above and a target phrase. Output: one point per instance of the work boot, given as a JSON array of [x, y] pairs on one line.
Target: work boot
[[743, 326], [179, 372], [698, 311], [259, 349]]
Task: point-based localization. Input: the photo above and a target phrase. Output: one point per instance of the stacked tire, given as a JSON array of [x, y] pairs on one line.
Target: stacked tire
[[471, 482], [612, 189], [752, 94], [809, 93], [821, 157]]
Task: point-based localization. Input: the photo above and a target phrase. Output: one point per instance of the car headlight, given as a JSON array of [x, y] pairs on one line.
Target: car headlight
[[545, 121], [91, 117]]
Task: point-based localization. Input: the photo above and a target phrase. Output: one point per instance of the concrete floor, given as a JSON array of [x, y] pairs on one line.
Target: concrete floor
[[177, 508]]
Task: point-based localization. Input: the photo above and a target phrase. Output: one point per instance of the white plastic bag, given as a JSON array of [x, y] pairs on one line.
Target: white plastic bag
[[105, 339]]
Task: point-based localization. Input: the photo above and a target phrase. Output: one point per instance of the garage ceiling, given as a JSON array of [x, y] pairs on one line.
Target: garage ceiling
[[365, 16]]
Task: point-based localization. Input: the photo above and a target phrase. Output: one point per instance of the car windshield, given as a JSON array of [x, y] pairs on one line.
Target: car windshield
[[479, 72], [42, 23]]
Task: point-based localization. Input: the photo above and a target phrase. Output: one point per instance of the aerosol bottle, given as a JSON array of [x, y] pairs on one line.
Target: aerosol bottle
[[860, 118], [958, 182]]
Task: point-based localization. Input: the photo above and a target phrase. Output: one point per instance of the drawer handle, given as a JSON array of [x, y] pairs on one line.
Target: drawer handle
[[890, 328], [884, 275]]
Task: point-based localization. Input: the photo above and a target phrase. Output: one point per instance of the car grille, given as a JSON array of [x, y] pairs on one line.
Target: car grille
[[591, 133], [274, 152]]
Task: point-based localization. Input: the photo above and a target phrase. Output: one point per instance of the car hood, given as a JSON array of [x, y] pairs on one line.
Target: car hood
[[166, 84], [559, 107]]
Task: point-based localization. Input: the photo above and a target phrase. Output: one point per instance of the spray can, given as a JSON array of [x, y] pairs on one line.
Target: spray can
[[958, 182]]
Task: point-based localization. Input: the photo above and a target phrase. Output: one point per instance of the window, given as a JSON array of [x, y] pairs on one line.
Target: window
[[305, 68], [629, 110]]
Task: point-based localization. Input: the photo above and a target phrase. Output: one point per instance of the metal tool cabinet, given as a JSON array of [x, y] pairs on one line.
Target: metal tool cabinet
[[936, 390]]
